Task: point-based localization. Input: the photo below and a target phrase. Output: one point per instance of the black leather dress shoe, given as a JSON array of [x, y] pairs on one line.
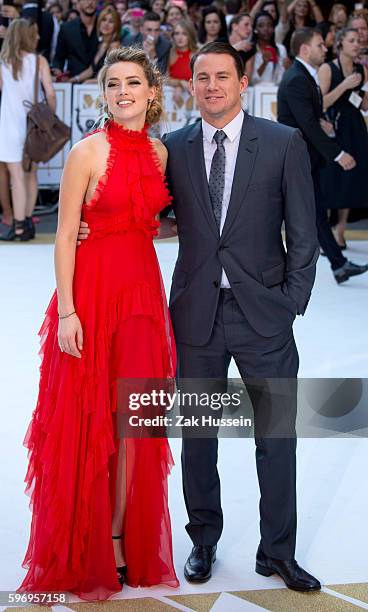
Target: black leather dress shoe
[[294, 576], [198, 568], [349, 269]]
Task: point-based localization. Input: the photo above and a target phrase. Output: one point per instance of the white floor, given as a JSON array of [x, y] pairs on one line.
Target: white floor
[[332, 482]]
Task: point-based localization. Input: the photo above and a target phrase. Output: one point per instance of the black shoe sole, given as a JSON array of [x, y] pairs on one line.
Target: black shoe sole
[[345, 277], [199, 580], [341, 279], [266, 571]]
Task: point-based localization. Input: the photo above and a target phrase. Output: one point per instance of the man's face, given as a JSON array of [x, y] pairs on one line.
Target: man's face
[[151, 28], [216, 87], [87, 7], [360, 24], [316, 51]]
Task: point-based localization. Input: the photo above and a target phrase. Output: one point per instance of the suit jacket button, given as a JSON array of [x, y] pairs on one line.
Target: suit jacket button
[[216, 284]]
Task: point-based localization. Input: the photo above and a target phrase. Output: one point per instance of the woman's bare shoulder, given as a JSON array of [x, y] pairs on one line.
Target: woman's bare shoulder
[[94, 144]]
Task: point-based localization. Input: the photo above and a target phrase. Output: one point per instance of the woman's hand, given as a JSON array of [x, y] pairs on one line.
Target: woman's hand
[[352, 81], [327, 127], [243, 45], [167, 229], [70, 336], [266, 56]]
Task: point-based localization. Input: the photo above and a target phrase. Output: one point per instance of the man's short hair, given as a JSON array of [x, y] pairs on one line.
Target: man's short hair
[[220, 48], [302, 36], [150, 16]]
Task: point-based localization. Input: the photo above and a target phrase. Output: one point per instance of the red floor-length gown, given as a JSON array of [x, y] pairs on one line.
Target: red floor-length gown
[[72, 440]]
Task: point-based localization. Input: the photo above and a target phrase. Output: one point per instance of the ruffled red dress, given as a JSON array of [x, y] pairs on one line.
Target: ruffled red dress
[[75, 475]]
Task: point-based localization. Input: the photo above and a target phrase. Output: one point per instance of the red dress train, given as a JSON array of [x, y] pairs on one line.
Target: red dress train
[[74, 473]]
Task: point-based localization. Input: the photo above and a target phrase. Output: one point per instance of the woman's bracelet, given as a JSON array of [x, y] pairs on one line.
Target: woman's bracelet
[[66, 316]]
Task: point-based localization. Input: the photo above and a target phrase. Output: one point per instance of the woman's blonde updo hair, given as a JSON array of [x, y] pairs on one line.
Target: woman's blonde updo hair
[[152, 74]]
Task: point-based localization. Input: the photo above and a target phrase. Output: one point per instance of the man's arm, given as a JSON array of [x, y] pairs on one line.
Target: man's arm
[[301, 106], [163, 52], [168, 228], [300, 222], [166, 211]]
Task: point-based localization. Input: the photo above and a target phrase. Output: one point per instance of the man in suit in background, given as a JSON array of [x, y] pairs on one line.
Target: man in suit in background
[[300, 105], [235, 180], [154, 44], [77, 42]]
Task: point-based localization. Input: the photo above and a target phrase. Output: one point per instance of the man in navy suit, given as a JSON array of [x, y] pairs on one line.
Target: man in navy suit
[[235, 180]]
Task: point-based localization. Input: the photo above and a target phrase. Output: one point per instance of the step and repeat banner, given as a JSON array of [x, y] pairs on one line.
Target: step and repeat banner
[[80, 106]]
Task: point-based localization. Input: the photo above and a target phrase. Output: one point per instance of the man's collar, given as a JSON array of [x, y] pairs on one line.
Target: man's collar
[[312, 71], [232, 129]]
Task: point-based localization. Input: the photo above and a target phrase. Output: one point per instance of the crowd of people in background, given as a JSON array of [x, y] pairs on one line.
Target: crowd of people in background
[[74, 37]]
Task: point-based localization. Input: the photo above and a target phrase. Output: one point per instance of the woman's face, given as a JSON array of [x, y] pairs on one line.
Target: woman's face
[[212, 24], [244, 28], [107, 25], [331, 36], [302, 8], [158, 6], [127, 93], [350, 45], [173, 16], [265, 28], [180, 38], [271, 9]]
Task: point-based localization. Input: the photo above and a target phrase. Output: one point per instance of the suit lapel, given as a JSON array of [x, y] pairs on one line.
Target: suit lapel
[[247, 153], [316, 88], [197, 172]]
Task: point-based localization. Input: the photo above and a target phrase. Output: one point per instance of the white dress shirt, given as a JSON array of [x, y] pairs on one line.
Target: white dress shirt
[[231, 144], [314, 73]]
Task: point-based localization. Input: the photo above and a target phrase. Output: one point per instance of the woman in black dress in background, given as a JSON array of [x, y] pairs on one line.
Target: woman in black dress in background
[[341, 84]]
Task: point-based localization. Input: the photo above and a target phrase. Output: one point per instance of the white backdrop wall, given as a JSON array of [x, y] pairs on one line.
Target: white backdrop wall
[[80, 106]]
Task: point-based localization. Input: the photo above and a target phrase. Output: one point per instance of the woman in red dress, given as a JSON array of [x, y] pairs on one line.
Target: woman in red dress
[[184, 45], [99, 500]]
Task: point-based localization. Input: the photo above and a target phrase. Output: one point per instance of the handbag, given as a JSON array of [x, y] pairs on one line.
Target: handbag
[[46, 134]]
